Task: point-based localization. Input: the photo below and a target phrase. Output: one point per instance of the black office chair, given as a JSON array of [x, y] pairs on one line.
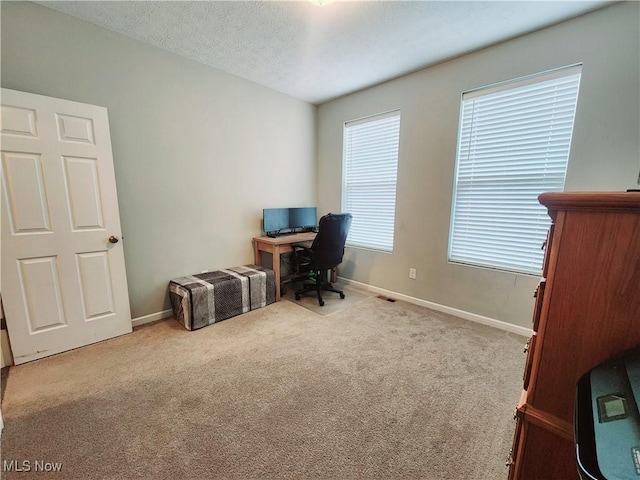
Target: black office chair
[[325, 253]]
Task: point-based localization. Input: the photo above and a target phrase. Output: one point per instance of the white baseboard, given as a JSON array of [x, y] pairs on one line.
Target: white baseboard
[[492, 322], [152, 317]]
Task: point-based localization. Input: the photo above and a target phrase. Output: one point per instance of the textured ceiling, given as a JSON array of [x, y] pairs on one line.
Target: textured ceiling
[[319, 53]]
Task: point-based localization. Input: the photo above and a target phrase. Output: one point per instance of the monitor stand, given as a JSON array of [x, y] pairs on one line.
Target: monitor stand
[[279, 234]]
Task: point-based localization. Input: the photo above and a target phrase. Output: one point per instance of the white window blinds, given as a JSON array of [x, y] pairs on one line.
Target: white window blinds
[[370, 175], [513, 144]]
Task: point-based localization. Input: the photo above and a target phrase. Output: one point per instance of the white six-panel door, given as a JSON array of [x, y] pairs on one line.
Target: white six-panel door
[[63, 281]]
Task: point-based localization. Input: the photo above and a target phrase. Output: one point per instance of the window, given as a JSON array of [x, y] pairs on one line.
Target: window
[[369, 179], [513, 144]]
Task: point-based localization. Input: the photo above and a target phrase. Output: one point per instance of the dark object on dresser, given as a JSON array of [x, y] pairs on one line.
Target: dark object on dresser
[[607, 422]]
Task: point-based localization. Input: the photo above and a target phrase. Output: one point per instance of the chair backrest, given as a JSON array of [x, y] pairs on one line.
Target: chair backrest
[[328, 245]]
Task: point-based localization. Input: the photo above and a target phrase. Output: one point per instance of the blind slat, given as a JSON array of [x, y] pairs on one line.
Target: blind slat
[[513, 144]]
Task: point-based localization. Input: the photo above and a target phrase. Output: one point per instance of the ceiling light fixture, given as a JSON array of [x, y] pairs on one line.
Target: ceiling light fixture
[[321, 3]]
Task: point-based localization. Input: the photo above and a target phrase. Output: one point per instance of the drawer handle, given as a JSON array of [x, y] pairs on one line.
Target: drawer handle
[[509, 460]]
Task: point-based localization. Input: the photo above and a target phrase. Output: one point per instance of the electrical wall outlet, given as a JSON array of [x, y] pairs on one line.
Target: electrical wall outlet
[[412, 273]]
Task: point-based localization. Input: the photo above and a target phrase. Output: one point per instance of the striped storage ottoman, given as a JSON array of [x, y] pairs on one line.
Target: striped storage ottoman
[[206, 298]]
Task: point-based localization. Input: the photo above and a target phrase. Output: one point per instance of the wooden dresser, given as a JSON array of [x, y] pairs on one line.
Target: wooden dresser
[[587, 310]]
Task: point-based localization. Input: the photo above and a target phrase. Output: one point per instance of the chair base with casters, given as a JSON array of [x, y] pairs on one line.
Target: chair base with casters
[[321, 285]]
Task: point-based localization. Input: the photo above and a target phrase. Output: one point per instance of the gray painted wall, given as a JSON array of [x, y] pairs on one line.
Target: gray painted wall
[[198, 153], [604, 154]]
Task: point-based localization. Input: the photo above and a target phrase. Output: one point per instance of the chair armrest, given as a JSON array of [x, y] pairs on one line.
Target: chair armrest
[[297, 248]]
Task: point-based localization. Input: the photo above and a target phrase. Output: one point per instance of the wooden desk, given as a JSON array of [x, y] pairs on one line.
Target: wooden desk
[[276, 246]]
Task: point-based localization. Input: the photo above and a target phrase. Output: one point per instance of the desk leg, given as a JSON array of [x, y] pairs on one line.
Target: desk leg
[[276, 269], [257, 257]]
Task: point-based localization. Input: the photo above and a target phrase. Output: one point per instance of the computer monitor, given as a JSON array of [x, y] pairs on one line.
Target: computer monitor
[[280, 220], [275, 219], [306, 217]]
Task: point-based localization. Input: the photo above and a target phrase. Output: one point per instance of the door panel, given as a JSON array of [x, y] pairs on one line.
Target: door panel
[[95, 282], [75, 129], [25, 193], [41, 292], [64, 285], [19, 121], [83, 193]]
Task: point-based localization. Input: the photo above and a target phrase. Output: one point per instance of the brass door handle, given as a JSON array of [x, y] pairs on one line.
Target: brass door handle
[[113, 239]]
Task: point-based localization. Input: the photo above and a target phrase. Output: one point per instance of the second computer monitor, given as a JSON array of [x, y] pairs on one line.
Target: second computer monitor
[[306, 217]]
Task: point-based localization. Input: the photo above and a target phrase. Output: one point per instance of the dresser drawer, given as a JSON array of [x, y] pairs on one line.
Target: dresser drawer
[[544, 456], [547, 250], [537, 311], [513, 453], [516, 453], [529, 349]]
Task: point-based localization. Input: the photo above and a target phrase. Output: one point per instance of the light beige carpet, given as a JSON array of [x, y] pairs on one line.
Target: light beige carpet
[[379, 390]]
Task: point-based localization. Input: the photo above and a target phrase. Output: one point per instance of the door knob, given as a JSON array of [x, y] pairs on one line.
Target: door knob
[[113, 239]]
